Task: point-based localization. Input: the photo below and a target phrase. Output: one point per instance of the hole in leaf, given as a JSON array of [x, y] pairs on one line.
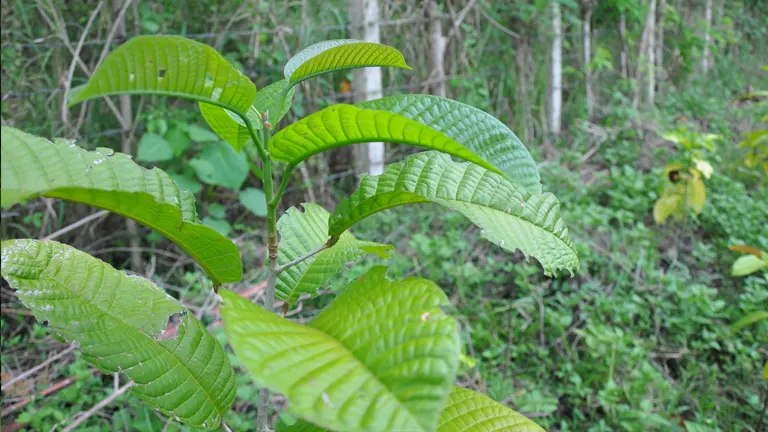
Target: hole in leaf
[[161, 73], [208, 79]]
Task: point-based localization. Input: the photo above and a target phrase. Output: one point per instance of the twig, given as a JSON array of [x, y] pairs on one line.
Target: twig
[[77, 224], [50, 360], [76, 55], [331, 241], [497, 24], [96, 408]]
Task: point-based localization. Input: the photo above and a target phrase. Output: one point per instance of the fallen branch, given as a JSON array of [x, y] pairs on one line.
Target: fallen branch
[[96, 408]]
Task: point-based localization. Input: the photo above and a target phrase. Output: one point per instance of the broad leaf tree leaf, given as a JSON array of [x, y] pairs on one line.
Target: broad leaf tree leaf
[[334, 55], [509, 216], [475, 129], [468, 411], [303, 232], [170, 66], [33, 166], [118, 321], [381, 357], [275, 100], [341, 125]]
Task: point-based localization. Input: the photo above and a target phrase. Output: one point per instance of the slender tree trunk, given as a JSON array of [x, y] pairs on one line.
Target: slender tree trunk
[[366, 84], [624, 44], [556, 101], [705, 63], [436, 50], [650, 96], [661, 74], [126, 147], [587, 42]]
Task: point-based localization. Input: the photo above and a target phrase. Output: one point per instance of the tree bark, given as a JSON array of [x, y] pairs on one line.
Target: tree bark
[[436, 50], [556, 96], [587, 42], [624, 44], [661, 75], [366, 84], [650, 96], [705, 63]]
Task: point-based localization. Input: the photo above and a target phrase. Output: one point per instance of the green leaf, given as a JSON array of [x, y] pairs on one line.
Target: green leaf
[[475, 129], [187, 183], [254, 200], [118, 321], [381, 357], [750, 319], [202, 135], [510, 216], [178, 140], [303, 232], [341, 125], [747, 264], [230, 127], [221, 226], [468, 411], [169, 66], [274, 100], [334, 55], [33, 166], [153, 148], [221, 165], [217, 210]]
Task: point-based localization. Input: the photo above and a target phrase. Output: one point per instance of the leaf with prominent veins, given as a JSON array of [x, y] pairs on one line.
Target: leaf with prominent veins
[[303, 232], [381, 357], [509, 216], [118, 320], [33, 166], [475, 129]]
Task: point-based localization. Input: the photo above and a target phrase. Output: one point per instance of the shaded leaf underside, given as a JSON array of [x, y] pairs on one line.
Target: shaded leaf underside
[[117, 321]]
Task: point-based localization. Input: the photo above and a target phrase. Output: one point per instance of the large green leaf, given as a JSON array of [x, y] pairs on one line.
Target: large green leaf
[[170, 66], [468, 411], [381, 357], [475, 129], [341, 125], [510, 216], [118, 321], [33, 166], [334, 55], [220, 165], [303, 232]]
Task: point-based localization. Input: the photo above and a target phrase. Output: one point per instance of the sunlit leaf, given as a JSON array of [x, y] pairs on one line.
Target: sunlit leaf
[[170, 66], [334, 55], [468, 411], [509, 216], [118, 322], [747, 264]]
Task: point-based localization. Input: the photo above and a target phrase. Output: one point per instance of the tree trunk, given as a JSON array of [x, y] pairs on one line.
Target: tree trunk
[[661, 74], [587, 42], [556, 101], [366, 84], [624, 44], [707, 38], [436, 50], [651, 78]]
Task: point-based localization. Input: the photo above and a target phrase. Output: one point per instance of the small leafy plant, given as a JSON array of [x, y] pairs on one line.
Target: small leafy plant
[[384, 355], [685, 190]]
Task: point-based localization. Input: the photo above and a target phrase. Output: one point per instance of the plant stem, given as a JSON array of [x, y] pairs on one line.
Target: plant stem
[[331, 241]]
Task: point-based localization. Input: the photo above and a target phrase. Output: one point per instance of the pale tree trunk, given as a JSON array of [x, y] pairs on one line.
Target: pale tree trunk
[[705, 63], [651, 78], [366, 84], [587, 42], [556, 101], [661, 74], [624, 44], [126, 147], [645, 57], [436, 51]]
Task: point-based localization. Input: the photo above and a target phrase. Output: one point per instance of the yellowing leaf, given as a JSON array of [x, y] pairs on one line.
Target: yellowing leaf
[[747, 265], [666, 206], [696, 194], [704, 167]]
